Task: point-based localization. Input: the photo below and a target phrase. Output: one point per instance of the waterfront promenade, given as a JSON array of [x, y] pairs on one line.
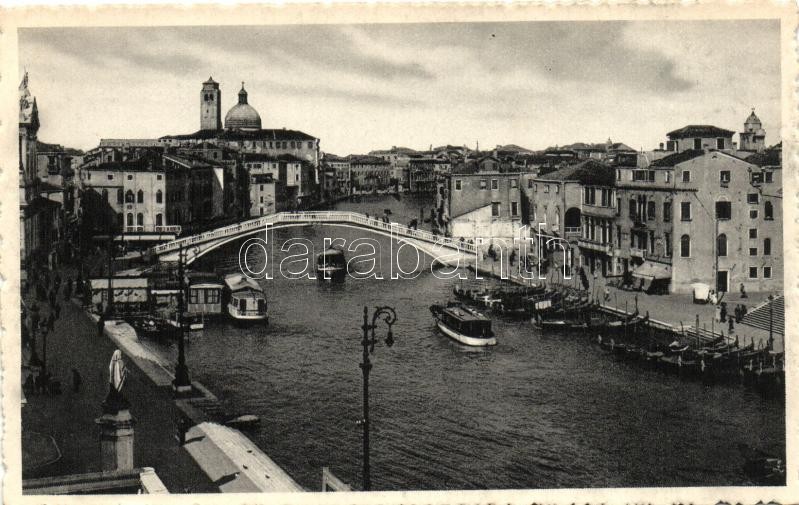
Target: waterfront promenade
[[69, 417]]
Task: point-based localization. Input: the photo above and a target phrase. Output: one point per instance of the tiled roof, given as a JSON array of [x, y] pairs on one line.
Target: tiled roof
[[365, 159], [586, 172], [700, 130], [677, 158], [271, 134], [769, 157]]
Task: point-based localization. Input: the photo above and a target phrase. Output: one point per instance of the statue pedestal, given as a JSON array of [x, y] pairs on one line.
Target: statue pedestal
[[116, 440]]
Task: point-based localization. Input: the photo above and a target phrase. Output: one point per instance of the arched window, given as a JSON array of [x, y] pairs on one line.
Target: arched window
[[159, 219], [140, 196], [129, 197], [685, 246], [769, 210], [721, 245], [140, 219], [120, 196], [130, 219], [159, 196]]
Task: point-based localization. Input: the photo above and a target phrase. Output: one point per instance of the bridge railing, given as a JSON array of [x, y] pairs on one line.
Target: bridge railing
[[314, 217]]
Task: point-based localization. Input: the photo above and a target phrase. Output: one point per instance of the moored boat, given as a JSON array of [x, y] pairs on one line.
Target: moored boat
[[246, 300], [464, 325], [331, 264]]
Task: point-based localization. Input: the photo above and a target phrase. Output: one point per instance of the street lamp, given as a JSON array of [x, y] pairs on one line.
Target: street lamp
[[182, 383], [389, 316]]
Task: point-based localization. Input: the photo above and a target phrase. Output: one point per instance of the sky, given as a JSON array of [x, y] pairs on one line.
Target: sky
[[365, 87]]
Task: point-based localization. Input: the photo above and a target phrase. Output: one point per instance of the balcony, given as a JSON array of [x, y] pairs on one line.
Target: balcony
[[595, 246], [638, 253], [572, 231], [599, 211], [172, 228]]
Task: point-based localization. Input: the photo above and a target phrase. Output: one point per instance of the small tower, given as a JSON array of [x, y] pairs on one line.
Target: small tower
[[753, 138], [210, 106]]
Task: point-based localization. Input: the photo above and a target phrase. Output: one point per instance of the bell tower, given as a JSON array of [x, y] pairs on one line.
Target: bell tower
[[210, 106]]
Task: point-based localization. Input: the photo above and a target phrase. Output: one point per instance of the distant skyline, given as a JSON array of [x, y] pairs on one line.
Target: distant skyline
[[365, 87]]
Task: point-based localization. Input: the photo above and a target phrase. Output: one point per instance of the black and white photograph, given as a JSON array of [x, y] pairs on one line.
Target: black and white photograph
[[481, 254]]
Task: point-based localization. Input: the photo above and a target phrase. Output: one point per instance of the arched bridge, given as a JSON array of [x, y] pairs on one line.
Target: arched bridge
[[443, 248]]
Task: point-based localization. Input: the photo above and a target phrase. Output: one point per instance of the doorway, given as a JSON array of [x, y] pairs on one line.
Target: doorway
[[722, 284]]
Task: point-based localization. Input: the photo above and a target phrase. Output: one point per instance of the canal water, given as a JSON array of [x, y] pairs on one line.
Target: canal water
[[536, 411]]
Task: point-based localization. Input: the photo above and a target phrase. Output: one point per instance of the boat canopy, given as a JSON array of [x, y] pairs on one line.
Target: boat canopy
[[651, 270], [238, 282]]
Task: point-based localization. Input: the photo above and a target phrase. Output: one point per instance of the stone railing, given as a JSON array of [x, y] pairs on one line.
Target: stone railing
[[319, 217]]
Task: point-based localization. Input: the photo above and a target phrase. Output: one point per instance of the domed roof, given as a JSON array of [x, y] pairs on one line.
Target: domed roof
[[242, 116], [753, 119]]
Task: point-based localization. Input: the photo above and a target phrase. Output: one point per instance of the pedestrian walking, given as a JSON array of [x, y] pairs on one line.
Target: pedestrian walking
[[76, 381], [718, 314], [731, 325]]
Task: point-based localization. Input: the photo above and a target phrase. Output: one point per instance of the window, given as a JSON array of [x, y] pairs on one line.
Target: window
[[140, 219], [667, 240], [720, 143], [686, 176], [618, 236], [685, 211], [752, 232], [535, 187], [159, 196], [697, 143], [130, 219], [194, 295], [666, 212], [769, 178], [756, 177], [514, 209], [650, 210], [753, 251], [514, 183], [130, 177], [753, 198], [685, 246], [89, 176], [767, 272], [724, 177], [120, 196], [546, 188], [557, 188], [766, 247], [292, 144], [495, 208], [494, 184], [753, 272], [618, 206], [753, 213], [721, 245], [310, 145], [211, 296], [159, 177], [633, 212], [483, 184], [723, 210], [769, 211], [159, 220], [140, 196], [129, 197], [668, 176], [110, 177], [529, 183]]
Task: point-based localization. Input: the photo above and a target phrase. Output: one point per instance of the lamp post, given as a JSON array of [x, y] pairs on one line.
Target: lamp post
[[770, 322], [182, 383], [389, 316]]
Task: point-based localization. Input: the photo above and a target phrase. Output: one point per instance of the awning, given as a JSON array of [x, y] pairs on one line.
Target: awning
[[651, 271]]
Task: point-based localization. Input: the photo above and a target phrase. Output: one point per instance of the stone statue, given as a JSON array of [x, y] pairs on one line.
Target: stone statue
[[115, 401]]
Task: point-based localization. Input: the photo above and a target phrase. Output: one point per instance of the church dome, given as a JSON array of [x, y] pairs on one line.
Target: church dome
[[242, 116]]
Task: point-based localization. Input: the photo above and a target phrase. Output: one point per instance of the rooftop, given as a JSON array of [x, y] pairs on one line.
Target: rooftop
[[677, 158], [699, 131], [233, 135], [590, 172]]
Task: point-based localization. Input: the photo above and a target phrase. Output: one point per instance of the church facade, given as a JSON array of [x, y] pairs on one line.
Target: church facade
[[242, 132]]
